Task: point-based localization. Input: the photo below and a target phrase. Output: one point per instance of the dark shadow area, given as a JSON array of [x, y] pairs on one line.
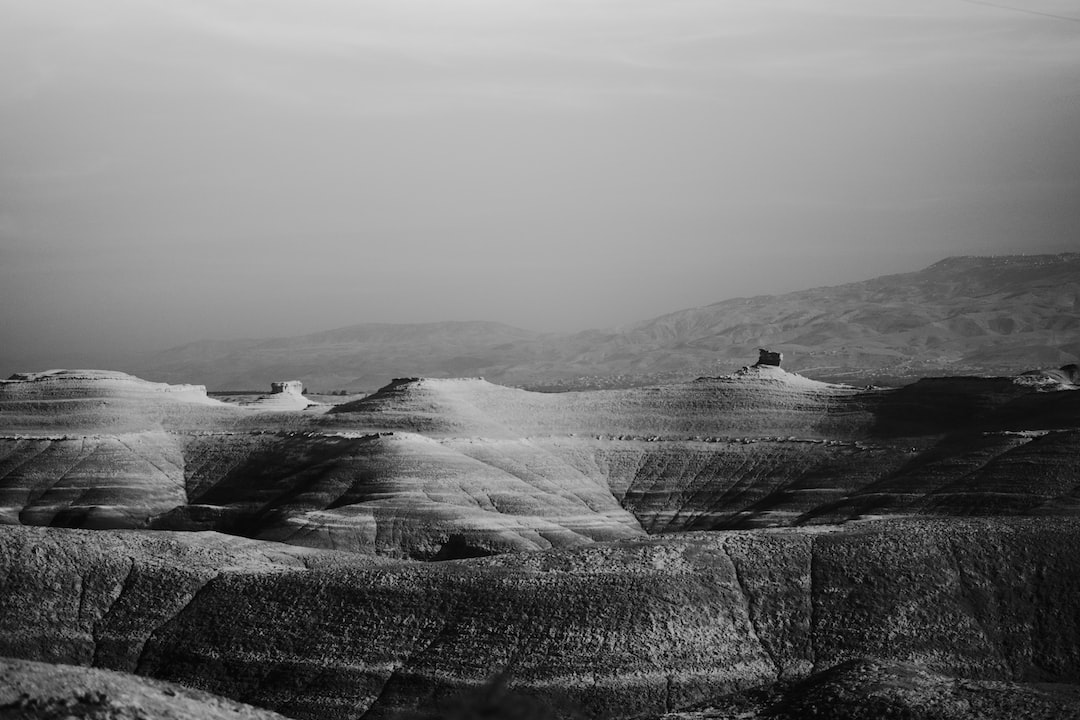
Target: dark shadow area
[[497, 700], [934, 406]]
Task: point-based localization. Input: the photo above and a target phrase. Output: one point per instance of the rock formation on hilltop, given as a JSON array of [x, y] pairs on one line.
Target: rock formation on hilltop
[[284, 395], [770, 358], [288, 387], [1065, 378]]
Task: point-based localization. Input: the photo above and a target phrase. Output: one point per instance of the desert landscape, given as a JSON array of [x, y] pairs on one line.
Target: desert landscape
[[972, 315], [752, 544], [539, 360]]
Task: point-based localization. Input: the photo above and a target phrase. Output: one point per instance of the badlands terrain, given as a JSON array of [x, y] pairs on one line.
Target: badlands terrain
[[748, 544]]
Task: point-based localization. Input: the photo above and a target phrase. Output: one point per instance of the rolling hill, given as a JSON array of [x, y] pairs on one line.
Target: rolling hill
[[629, 629], [435, 469], [963, 315]]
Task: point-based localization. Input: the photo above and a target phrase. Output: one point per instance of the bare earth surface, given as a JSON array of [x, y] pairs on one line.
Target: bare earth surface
[[616, 629], [45, 691], [623, 553], [867, 689], [438, 469]]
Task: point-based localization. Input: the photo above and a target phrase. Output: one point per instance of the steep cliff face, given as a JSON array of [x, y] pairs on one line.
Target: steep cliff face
[[620, 629]]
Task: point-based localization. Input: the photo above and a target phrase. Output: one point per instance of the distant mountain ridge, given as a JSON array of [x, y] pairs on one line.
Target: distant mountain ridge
[[359, 356], [962, 315]]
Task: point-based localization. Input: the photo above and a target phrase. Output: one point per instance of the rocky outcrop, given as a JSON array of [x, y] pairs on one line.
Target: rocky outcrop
[[44, 691], [284, 395], [1065, 378], [770, 358], [620, 629], [103, 481], [289, 387]]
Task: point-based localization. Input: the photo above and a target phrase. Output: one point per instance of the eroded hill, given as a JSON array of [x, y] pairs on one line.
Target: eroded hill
[[437, 469], [582, 531], [47, 691], [623, 629], [869, 689]]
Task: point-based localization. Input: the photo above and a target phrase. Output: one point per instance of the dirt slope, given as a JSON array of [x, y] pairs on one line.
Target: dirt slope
[[638, 626], [438, 468], [44, 691], [867, 689]]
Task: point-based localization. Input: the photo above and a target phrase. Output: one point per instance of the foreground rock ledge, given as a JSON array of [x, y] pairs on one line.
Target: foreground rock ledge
[[620, 629], [42, 690]]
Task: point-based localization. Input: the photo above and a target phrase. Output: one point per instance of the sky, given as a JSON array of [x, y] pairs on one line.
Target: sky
[[174, 171]]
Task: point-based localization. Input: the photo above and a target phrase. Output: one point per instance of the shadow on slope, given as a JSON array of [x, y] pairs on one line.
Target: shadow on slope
[[44, 691], [998, 447], [942, 405], [398, 494], [622, 629], [500, 469], [868, 689]]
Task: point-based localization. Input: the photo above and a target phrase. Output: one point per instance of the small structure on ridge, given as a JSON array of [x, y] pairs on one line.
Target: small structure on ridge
[[288, 387], [768, 357]]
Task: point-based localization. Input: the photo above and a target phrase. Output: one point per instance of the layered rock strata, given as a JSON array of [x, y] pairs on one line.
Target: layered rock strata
[[439, 469], [44, 691], [868, 689], [619, 629]]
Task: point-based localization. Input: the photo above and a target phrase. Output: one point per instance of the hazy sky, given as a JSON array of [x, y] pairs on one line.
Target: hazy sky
[[171, 171]]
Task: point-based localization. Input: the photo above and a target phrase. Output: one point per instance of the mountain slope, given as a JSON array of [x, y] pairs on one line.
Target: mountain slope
[[996, 314], [360, 356], [961, 315]]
